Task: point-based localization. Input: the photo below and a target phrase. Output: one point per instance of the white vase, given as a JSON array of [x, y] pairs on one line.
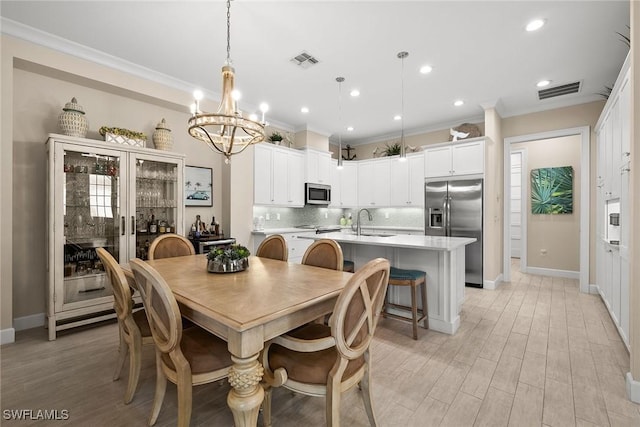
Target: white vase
[[72, 121], [162, 138]]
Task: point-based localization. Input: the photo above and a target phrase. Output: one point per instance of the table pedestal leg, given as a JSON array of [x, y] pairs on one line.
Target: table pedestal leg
[[246, 394]]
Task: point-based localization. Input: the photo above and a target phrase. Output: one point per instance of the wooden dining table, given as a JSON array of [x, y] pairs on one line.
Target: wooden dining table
[[247, 309]]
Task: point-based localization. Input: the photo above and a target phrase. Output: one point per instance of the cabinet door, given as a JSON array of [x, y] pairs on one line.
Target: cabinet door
[[608, 165], [400, 183], [336, 194], [280, 181], [349, 184], [373, 183], [324, 168], [615, 284], [318, 167], [416, 181], [616, 149], [366, 185], [262, 183], [437, 162], [295, 166], [467, 158]]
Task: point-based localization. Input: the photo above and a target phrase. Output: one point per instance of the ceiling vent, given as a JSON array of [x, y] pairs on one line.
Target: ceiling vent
[[304, 60], [552, 92]]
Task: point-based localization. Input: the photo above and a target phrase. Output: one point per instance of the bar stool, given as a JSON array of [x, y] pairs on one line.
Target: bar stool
[[348, 266], [415, 279]]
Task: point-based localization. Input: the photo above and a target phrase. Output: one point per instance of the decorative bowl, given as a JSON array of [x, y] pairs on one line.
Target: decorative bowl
[[227, 266]]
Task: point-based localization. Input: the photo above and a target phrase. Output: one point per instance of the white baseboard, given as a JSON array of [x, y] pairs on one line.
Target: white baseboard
[[492, 284], [633, 388], [567, 274], [593, 289], [29, 322], [7, 336]]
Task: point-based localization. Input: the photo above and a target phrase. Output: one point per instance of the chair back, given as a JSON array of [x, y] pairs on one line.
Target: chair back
[[274, 247], [325, 253], [357, 309], [122, 301], [170, 245], [160, 305]]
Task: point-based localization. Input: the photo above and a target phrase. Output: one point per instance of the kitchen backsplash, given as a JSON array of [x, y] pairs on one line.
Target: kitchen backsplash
[[313, 215]]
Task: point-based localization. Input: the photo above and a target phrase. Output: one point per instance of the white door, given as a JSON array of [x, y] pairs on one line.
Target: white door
[[516, 204]]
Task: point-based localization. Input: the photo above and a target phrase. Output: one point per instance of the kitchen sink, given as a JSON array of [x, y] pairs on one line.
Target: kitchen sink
[[376, 235]]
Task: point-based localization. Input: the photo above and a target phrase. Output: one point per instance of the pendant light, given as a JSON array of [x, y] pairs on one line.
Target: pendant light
[[339, 80], [403, 151], [226, 130]]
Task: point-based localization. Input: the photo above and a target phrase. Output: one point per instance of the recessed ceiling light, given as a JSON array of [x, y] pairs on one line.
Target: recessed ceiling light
[[355, 93], [426, 69], [350, 128], [458, 103], [543, 83], [536, 24], [304, 110], [397, 117]]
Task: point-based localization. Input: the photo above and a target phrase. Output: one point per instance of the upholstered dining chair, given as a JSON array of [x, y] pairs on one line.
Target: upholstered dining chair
[[186, 357], [325, 253], [133, 326], [170, 245], [319, 360], [274, 247]]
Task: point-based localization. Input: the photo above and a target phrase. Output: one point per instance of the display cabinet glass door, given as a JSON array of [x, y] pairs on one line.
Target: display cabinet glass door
[[91, 214], [156, 201]]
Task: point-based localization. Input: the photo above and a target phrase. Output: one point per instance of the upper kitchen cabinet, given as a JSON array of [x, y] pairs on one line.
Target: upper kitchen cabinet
[[107, 195], [407, 181], [318, 167], [344, 185], [454, 159], [278, 176], [374, 183]]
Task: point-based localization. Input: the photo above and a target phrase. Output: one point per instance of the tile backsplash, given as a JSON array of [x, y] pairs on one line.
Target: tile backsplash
[[313, 215]]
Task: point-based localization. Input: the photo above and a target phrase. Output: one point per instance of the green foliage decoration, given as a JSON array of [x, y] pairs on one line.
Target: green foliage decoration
[[552, 190]]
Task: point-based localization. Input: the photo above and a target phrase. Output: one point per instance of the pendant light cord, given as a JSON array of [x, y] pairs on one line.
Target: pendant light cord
[[339, 80]]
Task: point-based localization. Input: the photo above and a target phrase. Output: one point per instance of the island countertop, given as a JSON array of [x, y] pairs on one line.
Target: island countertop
[[436, 243]]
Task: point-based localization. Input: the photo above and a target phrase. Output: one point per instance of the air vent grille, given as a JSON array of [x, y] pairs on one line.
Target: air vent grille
[[304, 60], [552, 92]]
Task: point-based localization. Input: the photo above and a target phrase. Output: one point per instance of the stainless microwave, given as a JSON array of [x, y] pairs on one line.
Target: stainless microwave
[[317, 194]]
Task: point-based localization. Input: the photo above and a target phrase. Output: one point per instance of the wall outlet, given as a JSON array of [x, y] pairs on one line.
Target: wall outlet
[[326, 215], [386, 215], [543, 252], [277, 217], [267, 217]]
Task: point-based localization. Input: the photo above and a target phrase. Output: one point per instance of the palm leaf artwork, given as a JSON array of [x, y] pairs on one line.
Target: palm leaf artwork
[[552, 190]]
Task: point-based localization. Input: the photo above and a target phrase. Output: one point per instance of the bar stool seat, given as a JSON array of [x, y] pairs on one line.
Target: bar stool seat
[[348, 266], [415, 279]]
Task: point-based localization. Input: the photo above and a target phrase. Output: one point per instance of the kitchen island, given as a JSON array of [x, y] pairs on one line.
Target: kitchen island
[[442, 258]]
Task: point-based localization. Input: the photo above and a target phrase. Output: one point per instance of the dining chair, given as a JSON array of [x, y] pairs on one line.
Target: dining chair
[[320, 360], [186, 357], [170, 245], [325, 253], [133, 326], [274, 247]]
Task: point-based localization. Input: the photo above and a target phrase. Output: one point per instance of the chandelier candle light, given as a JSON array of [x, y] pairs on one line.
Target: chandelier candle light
[[339, 80], [226, 130], [403, 150]]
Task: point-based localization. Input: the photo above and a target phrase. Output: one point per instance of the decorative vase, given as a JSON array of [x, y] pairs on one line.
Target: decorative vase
[[162, 137], [72, 121], [227, 266]]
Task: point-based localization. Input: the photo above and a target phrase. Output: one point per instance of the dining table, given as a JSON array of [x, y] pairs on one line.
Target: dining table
[[247, 309]]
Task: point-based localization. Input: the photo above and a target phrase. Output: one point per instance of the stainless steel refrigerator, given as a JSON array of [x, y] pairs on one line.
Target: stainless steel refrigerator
[[454, 208]]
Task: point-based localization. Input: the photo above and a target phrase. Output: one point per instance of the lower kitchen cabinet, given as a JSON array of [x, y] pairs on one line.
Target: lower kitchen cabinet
[[295, 245]]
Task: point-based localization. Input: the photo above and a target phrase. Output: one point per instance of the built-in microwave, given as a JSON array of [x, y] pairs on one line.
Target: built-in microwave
[[317, 194]]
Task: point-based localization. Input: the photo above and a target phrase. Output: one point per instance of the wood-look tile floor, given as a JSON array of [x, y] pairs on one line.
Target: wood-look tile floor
[[535, 352]]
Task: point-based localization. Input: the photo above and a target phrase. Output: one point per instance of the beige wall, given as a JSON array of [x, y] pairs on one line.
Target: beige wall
[[559, 235], [493, 200], [310, 139]]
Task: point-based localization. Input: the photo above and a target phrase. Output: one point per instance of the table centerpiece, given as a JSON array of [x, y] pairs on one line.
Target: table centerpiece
[[230, 259]]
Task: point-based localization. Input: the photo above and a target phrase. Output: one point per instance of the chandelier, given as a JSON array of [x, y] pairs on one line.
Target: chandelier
[[403, 150], [226, 131]]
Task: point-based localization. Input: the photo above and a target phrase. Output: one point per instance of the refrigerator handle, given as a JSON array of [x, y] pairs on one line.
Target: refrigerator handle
[[447, 205]]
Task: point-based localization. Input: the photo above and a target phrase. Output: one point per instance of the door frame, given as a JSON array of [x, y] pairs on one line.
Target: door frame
[[523, 206], [585, 134]]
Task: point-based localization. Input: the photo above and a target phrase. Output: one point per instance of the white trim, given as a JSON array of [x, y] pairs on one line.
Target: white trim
[[585, 135], [568, 274], [28, 322], [633, 388], [594, 289], [7, 336], [493, 284]]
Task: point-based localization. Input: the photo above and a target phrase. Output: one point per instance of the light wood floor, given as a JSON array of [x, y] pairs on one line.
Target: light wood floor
[[535, 352]]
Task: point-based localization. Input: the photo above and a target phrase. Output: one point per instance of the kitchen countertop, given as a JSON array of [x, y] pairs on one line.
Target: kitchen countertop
[[398, 241], [268, 231]]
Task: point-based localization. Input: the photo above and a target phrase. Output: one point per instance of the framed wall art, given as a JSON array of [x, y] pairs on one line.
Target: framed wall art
[[552, 190], [198, 186]]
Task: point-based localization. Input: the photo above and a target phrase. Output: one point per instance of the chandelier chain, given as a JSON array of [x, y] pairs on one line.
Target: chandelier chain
[[228, 31]]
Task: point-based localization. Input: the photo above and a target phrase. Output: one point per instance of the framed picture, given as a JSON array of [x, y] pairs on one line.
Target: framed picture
[[198, 186], [552, 190]]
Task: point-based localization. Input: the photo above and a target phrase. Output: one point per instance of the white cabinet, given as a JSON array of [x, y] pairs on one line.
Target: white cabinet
[[407, 181], [278, 176], [318, 167], [344, 185], [374, 183], [454, 159], [103, 195], [296, 246]]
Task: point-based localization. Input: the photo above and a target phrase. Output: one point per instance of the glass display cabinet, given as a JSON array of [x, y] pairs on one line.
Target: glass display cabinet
[[103, 195]]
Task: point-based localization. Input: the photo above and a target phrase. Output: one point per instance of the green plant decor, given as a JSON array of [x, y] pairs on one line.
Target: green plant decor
[[232, 252], [275, 137], [392, 150], [552, 190], [123, 132]]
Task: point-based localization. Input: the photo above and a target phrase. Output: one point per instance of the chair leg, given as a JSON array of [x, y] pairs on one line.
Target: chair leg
[[122, 355], [414, 310], [134, 368], [185, 388], [365, 386], [425, 307], [161, 388], [332, 405]]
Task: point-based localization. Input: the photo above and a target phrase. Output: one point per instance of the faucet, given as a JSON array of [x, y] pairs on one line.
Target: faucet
[[358, 229]]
